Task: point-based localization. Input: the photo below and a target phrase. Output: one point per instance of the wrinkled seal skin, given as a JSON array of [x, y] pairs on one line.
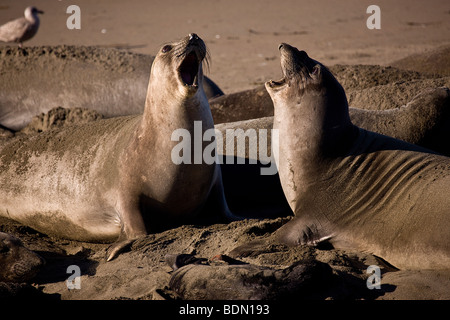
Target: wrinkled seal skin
[[18, 264], [114, 179], [355, 187]]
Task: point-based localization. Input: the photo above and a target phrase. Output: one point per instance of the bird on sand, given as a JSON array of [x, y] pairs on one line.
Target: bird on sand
[[21, 29]]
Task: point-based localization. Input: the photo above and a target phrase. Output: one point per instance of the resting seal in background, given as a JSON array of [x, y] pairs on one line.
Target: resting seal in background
[[114, 179], [355, 187], [37, 79], [424, 120], [17, 263]]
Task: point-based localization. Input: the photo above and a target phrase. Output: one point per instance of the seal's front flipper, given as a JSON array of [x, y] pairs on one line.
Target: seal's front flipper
[[132, 226], [117, 248], [311, 232], [253, 249], [301, 231]]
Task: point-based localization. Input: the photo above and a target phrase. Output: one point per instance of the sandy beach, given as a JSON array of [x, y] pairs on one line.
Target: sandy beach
[[242, 39], [243, 36]]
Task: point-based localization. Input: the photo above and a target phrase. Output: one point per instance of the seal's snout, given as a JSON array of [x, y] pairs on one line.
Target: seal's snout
[[193, 37], [193, 53], [286, 48], [194, 40]]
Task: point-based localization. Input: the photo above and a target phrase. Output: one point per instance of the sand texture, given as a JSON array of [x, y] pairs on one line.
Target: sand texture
[[66, 77]]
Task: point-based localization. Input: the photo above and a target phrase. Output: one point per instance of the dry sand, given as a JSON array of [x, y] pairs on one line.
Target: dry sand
[[242, 37]]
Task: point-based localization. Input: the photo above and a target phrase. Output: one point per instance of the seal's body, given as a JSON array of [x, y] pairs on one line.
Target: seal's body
[[353, 186], [115, 178]]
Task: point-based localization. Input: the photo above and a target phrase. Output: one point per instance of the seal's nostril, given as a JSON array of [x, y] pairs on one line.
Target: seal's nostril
[[280, 46]]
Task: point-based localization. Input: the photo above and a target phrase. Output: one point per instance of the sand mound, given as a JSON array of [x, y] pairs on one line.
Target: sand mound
[[431, 62], [108, 59], [381, 88], [60, 117]]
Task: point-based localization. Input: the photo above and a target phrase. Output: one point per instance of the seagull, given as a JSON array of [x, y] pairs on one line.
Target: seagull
[[21, 29]]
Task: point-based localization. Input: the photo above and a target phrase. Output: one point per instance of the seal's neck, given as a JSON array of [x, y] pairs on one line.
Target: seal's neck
[[312, 130], [320, 123], [168, 111]]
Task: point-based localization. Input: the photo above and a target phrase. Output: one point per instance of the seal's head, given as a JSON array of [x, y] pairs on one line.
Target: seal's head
[[18, 264], [309, 86], [177, 68]]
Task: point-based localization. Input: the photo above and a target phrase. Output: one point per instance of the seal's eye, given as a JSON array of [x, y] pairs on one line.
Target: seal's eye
[[166, 48]]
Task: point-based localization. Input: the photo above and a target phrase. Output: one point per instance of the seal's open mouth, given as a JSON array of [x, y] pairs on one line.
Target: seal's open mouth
[[189, 69], [295, 64], [277, 85]]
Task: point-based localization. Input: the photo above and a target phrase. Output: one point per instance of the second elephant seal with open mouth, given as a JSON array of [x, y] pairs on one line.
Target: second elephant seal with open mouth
[[354, 187]]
